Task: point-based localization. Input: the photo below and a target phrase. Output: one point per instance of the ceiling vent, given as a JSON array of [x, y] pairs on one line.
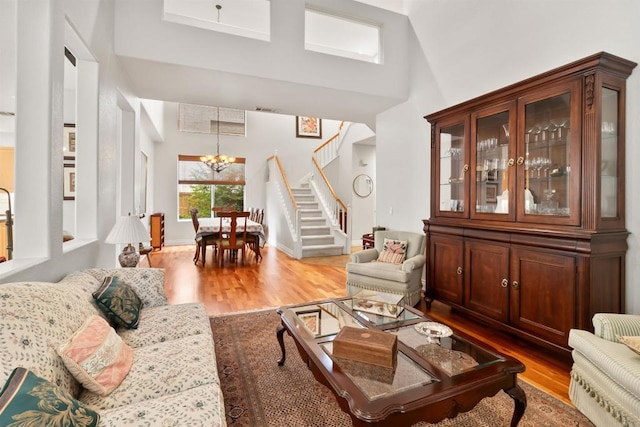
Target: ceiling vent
[[266, 110]]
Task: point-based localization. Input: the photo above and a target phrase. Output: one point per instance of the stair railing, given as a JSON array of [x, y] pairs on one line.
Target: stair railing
[[290, 204], [328, 151], [335, 207]]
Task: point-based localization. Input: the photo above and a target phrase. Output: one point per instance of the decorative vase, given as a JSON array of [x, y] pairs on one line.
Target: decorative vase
[[129, 257]]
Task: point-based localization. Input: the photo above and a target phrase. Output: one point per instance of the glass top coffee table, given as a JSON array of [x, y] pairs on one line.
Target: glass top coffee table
[[439, 372]]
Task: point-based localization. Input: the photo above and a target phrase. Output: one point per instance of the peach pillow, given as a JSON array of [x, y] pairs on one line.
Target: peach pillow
[[393, 251], [631, 341], [96, 356]]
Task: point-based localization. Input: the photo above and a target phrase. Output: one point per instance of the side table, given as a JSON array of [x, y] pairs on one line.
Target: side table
[[368, 241]]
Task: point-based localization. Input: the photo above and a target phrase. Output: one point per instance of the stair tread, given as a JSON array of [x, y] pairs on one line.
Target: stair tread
[[333, 245]]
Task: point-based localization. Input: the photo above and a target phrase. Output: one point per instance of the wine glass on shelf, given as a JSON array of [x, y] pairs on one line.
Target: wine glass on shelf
[[561, 126]]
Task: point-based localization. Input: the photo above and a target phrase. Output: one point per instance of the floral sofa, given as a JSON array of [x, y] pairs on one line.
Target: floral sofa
[[605, 377], [172, 379]]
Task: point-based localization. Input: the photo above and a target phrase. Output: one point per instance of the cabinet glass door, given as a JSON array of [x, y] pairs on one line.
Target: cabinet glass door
[[609, 155], [490, 190], [550, 151], [453, 168]]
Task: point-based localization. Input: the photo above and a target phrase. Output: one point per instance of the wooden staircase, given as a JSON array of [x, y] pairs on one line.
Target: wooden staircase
[[315, 232]]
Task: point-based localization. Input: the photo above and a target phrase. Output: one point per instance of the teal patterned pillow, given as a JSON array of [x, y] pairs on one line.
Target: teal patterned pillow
[[119, 302], [28, 400]]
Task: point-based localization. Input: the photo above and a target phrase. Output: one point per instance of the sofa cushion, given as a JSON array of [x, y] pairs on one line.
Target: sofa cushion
[[28, 400], [199, 406], [380, 270], [608, 325], [393, 251], [167, 323], [36, 318], [147, 283], [119, 302], [97, 356], [162, 369]]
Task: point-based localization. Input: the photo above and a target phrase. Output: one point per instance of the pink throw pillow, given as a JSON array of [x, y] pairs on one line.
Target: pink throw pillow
[[96, 356], [394, 251]]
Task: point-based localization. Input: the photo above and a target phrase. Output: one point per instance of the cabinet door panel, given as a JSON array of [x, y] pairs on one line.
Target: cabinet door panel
[[451, 163], [543, 293], [549, 155], [486, 279], [492, 159], [446, 258]]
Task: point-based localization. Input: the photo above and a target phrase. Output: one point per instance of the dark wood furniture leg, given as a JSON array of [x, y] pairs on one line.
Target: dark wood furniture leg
[[520, 399], [280, 335]]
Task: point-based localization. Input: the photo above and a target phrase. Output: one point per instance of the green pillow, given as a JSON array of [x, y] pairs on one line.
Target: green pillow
[[29, 400], [119, 302]]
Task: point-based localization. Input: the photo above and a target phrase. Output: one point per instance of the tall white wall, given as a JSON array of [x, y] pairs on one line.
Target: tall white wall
[[39, 253], [266, 133], [466, 49]]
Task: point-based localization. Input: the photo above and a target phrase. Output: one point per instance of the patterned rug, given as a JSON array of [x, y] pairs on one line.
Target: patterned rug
[[257, 392]]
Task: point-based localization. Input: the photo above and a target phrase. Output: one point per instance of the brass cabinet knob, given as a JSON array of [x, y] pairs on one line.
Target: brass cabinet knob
[[504, 283], [465, 167], [512, 162], [459, 271], [516, 285], [520, 160]]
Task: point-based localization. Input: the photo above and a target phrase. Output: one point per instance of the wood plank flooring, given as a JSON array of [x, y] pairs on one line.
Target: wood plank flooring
[[280, 280]]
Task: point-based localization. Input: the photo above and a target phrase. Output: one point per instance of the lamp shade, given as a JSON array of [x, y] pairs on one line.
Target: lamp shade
[[128, 229]]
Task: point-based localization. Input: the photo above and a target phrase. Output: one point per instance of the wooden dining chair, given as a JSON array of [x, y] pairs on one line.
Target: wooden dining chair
[[217, 209], [201, 244], [234, 240]]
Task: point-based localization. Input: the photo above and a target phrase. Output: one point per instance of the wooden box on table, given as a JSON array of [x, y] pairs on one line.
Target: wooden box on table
[[367, 346]]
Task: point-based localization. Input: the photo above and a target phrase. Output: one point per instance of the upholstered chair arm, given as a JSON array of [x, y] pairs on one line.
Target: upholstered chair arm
[[366, 255], [412, 263], [608, 325]]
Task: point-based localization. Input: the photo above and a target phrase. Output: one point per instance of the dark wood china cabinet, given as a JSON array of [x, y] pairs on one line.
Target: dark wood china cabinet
[[527, 232]]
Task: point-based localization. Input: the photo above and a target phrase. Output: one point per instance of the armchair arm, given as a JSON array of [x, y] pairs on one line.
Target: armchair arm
[[366, 255], [414, 262], [608, 325]]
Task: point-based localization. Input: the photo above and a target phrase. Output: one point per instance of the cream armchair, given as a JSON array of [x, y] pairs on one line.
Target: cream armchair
[[605, 377], [402, 279]]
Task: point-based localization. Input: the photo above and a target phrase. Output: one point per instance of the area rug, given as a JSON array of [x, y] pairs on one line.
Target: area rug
[[258, 392]]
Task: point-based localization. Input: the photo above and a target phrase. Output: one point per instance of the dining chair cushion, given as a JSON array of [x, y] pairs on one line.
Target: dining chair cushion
[[96, 356], [27, 399], [119, 302]]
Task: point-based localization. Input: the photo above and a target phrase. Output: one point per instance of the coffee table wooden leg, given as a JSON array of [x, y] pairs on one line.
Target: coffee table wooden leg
[[280, 335], [520, 399]]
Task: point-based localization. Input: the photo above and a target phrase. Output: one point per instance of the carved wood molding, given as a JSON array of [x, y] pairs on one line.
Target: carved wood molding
[[589, 89]]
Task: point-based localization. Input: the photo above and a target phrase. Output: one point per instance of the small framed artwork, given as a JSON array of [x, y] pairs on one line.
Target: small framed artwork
[[491, 192], [69, 141], [308, 127], [311, 319], [69, 183]]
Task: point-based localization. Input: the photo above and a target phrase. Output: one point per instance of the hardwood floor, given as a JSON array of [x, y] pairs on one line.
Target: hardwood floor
[[280, 280]]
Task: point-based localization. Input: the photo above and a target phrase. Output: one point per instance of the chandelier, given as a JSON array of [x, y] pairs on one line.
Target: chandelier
[[219, 162]]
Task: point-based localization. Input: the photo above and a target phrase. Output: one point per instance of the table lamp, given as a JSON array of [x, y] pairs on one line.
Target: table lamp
[[128, 229]]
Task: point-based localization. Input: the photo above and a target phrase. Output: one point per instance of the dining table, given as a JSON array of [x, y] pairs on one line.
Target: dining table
[[211, 226]]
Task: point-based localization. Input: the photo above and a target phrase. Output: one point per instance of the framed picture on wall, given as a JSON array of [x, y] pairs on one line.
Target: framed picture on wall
[[308, 127], [69, 141], [69, 182]]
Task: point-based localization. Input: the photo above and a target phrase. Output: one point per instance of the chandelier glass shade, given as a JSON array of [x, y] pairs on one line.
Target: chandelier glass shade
[[219, 162]]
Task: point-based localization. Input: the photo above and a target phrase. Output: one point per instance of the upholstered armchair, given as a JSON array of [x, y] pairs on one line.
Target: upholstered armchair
[[605, 377], [367, 272]]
